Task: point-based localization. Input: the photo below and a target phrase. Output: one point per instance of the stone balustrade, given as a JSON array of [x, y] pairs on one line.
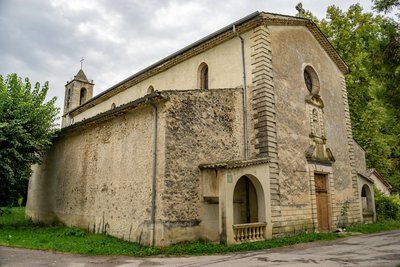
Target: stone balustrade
[[249, 232]]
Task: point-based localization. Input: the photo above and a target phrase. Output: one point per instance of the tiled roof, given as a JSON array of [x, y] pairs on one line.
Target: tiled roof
[[234, 164]]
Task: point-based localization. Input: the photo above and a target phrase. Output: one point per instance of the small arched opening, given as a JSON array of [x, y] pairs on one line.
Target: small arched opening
[[150, 89], [68, 97], [82, 95], [203, 76], [245, 206], [249, 221], [112, 105], [367, 204]]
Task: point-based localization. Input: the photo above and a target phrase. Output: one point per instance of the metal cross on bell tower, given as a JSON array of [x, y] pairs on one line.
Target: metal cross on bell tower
[[81, 62], [300, 9]]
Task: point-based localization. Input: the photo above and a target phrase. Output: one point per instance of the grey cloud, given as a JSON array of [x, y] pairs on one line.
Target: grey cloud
[[44, 40]]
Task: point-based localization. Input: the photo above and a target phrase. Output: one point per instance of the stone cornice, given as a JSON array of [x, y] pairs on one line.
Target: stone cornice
[[282, 20]]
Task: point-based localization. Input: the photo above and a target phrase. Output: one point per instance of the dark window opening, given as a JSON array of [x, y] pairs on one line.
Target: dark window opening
[[308, 80], [68, 97], [82, 98], [204, 76]]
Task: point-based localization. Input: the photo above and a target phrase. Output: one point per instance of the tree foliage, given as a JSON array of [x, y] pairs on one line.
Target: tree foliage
[[386, 5], [27, 124], [370, 45]]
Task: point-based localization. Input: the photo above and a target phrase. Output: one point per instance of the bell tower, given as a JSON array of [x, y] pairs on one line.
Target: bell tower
[[77, 92]]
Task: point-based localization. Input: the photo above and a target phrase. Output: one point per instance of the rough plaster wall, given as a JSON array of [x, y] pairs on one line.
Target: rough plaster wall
[[378, 183], [100, 177], [201, 127], [292, 49], [359, 156]]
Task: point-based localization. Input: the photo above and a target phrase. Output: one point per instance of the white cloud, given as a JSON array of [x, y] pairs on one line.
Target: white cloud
[[177, 14]]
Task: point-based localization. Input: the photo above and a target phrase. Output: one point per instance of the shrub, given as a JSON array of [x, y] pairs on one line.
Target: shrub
[[387, 207]]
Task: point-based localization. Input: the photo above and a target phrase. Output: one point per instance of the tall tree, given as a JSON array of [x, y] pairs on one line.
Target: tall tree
[[386, 5], [370, 45], [27, 124]]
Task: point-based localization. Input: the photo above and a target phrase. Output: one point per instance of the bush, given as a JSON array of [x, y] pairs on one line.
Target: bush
[[387, 207]]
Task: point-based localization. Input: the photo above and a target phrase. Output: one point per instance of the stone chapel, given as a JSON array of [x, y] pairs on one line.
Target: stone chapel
[[240, 136]]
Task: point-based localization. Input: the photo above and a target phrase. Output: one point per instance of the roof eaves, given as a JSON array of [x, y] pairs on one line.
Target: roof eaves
[[381, 178], [177, 53], [278, 19], [365, 177], [234, 164], [147, 99]]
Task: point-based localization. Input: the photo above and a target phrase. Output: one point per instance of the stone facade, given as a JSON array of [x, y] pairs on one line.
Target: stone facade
[[171, 165], [380, 182]]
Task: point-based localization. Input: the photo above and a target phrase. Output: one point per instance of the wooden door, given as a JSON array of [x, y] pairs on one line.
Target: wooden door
[[321, 193]]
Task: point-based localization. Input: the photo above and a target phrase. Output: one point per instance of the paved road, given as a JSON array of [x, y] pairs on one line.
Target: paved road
[[381, 249]]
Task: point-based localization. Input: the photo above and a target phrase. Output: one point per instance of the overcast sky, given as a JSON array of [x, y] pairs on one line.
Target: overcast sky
[[45, 39]]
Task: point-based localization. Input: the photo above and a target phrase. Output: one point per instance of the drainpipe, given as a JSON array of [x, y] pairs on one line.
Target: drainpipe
[[244, 91], [153, 180]]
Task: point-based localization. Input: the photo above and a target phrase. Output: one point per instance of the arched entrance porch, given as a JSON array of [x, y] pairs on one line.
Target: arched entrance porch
[[366, 198], [367, 204], [249, 222], [245, 207], [242, 191]]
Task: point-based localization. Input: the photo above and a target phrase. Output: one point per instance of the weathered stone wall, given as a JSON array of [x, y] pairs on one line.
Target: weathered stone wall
[[263, 111], [359, 158], [201, 127], [98, 177], [293, 48], [379, 184]]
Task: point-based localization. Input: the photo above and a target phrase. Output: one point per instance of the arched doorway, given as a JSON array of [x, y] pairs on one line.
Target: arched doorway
[[367, 204], [248, 210], [245, 207]]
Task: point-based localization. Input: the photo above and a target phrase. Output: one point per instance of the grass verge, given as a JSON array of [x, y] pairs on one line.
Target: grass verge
[[18, 232], [375, 227]]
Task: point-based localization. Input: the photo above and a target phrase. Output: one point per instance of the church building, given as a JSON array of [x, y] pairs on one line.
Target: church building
[[238, 137]]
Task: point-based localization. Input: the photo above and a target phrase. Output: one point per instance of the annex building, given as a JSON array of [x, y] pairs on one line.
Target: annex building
[[242, 135]]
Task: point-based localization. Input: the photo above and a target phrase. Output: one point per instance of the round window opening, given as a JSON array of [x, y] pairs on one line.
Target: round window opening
[[311, 80], [308, 80]]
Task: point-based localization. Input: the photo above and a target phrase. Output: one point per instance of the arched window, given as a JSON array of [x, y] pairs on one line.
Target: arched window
[[112, 105], [82, 98], [203, 76], [68, 97], [150, 89], [311, 80]]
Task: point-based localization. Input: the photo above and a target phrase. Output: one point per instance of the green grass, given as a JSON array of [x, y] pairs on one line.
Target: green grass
[[18, 232], [375, 227]]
